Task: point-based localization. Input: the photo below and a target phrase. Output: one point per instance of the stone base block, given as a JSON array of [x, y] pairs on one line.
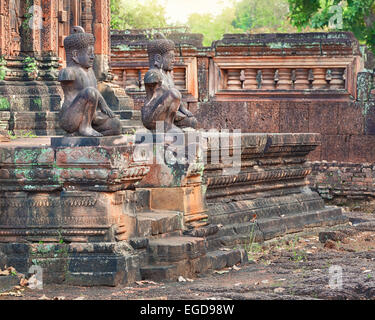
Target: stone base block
[[188, 200], [94, 264]]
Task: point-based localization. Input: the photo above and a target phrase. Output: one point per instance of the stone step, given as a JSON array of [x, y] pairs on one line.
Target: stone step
[[214, 260], [154, 223], [45, 123], [131, 123], [268, 228], [129, 114], [243, 211], [131, 129], [175, 249]]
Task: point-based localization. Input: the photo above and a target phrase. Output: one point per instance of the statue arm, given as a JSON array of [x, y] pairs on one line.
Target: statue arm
[[67, 74], [185, 111], [103, 107]]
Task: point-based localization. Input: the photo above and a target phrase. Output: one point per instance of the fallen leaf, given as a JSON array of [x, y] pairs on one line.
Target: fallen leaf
[[140, 283], [23, 282], [11, 270], [221, 271], [4, 273], [34, 283], [11, 293]]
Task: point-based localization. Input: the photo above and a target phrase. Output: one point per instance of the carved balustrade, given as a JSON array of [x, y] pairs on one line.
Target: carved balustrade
[[253, 78]]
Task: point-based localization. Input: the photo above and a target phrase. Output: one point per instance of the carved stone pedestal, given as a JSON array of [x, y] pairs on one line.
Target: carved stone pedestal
[[70, 198], [175, 177]]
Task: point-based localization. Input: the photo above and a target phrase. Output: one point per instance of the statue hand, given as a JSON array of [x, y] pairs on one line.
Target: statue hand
[[108, 112], [185, 111]]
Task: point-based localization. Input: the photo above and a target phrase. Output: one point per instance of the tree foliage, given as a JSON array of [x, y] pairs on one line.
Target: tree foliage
[[213, 27], [258, 16], [357, 16], [131, 14]]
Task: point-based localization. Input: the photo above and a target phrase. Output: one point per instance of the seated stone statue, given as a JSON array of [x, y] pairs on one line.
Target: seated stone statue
[[84, 112], [163, 100]]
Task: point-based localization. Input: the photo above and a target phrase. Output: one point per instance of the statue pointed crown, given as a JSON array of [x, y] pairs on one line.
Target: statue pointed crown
[[78, 39], [160, 45]]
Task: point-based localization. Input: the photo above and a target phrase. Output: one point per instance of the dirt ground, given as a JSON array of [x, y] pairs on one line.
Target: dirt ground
[[294, 267]]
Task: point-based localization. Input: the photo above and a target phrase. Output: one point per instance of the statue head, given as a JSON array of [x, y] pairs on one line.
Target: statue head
[[161, 53], [79, 48]]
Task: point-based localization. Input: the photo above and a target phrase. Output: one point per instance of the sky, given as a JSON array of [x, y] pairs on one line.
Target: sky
[[179, 10]]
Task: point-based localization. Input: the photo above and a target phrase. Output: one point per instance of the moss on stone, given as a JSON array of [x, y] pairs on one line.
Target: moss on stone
[[4, 104]]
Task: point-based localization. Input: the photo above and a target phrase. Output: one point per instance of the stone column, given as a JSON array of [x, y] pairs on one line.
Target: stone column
[[302, 81], [50, 26], [3, 20], [268, 79], [285, 79], [337, 79], [234, 82], [319, 81], [87, 16], [131, 79], [101, 29], [251, 82]]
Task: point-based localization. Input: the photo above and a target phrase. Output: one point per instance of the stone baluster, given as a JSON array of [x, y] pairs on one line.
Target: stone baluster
[[179, 78], [337, 78], [234, 81], [143, 73], [285, 79], [302, 79], [319, 81], [268, 79], [251, 82], [131, 80]]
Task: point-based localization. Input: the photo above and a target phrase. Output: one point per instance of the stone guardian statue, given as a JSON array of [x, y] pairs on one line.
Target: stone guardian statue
[[84, 111], [163, 99]]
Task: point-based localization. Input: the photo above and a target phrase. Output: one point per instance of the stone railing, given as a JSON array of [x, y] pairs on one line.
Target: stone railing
[[240, 66], [282, 78]]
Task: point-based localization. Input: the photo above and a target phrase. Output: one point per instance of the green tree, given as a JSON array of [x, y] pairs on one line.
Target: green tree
[[131, 14], [258, 16], [213, 27], [357, 16]]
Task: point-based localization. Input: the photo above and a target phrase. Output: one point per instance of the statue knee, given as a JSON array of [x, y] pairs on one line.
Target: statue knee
[[175, 94], [91, 94]]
